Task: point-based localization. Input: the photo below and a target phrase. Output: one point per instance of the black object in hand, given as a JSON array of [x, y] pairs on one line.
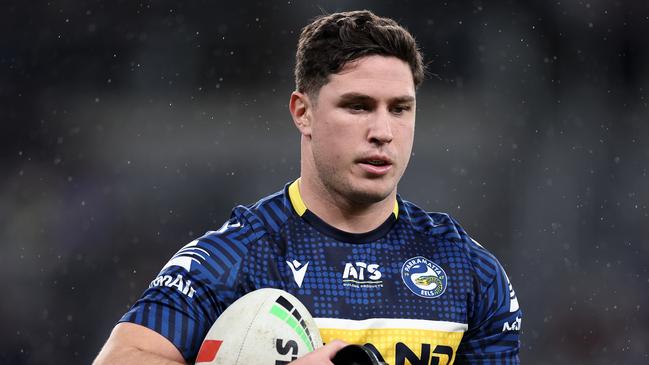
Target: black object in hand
[[355, 355]]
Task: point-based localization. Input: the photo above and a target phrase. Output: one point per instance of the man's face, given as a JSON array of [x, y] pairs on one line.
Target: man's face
[[363, 128]]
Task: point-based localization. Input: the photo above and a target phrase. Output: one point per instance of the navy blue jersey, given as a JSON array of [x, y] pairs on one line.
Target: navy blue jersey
[[416, 290]]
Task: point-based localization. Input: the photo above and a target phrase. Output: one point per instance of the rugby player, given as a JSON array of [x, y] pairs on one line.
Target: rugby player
[[372, 267]]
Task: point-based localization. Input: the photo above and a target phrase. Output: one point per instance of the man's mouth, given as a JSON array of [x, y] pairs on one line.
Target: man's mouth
[[376, 165], [376, 162]]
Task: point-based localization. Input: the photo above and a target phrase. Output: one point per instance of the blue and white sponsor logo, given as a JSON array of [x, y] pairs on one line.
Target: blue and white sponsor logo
[[179, 283], [188, 255], [424, 277]]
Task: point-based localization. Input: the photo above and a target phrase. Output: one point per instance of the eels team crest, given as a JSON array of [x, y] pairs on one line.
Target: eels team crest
[[424, 277]]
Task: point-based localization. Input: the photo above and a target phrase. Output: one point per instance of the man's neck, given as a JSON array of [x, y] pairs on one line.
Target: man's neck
[[340, 212]]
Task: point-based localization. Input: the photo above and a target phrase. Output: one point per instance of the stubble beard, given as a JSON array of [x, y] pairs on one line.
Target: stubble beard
[[338, 184]]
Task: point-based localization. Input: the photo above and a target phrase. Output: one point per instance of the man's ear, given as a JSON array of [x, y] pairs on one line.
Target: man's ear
[[301, 111]]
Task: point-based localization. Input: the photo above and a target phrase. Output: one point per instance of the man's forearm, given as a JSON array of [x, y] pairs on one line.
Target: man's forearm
[[131, 356], [134, 344]]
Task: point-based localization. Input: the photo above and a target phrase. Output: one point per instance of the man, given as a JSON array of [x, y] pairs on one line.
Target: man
[[372, 268]]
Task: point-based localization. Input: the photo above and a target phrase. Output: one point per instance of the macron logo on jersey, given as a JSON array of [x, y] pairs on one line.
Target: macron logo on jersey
[[187, 255], [298, 271]]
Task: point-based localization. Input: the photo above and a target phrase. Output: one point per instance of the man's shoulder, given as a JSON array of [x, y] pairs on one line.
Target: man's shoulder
[[248, 223], [268, 214], [443, 225], [431, 223], [228, 245]]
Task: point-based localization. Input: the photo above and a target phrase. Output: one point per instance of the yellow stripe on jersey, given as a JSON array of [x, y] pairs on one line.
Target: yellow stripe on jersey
[[296, 198], [396, 209], [299, 206], [399, 341]]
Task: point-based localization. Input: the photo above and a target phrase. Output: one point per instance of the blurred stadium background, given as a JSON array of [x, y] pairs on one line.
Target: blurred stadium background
[[129, 128]]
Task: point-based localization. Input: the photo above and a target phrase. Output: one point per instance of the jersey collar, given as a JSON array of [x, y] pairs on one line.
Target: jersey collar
[[300, 208]]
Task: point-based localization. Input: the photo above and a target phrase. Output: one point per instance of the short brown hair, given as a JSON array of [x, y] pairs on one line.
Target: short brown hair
[[328, 43]]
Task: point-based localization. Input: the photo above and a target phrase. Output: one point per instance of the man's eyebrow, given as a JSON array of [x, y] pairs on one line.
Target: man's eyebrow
[[356, 97], [362, 97], [404, 99]]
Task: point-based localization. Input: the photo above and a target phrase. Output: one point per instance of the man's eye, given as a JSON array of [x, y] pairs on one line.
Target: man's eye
[[400, 109], [357, 107]]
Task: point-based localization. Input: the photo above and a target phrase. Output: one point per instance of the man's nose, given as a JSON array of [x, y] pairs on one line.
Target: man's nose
[[380, 130]]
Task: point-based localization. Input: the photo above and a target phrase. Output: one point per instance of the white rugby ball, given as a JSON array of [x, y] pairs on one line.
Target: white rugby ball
[[266, 326]]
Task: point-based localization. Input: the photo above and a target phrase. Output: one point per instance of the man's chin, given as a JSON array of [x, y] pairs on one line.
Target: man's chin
[[362, 190], [370, 195]]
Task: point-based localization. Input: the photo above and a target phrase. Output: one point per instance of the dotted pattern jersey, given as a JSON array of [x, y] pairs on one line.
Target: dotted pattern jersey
[[416, 290]]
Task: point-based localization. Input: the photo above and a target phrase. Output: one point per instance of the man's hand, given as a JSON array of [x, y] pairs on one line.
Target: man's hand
[[321, 356]]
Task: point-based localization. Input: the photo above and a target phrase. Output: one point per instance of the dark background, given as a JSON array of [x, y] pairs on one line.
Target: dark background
[[129, 128]]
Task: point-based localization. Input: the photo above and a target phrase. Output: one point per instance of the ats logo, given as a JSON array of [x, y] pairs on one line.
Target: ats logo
[[362, 275]]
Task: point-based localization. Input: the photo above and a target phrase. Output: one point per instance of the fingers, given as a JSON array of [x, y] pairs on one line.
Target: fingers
[[321, 356], [333, 347]]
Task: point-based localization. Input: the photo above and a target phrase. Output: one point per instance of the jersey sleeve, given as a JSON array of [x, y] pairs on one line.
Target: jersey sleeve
[[494, 315], [195, 287]]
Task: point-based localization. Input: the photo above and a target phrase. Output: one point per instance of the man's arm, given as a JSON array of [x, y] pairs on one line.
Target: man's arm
[[495, 323], [134, 344]]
